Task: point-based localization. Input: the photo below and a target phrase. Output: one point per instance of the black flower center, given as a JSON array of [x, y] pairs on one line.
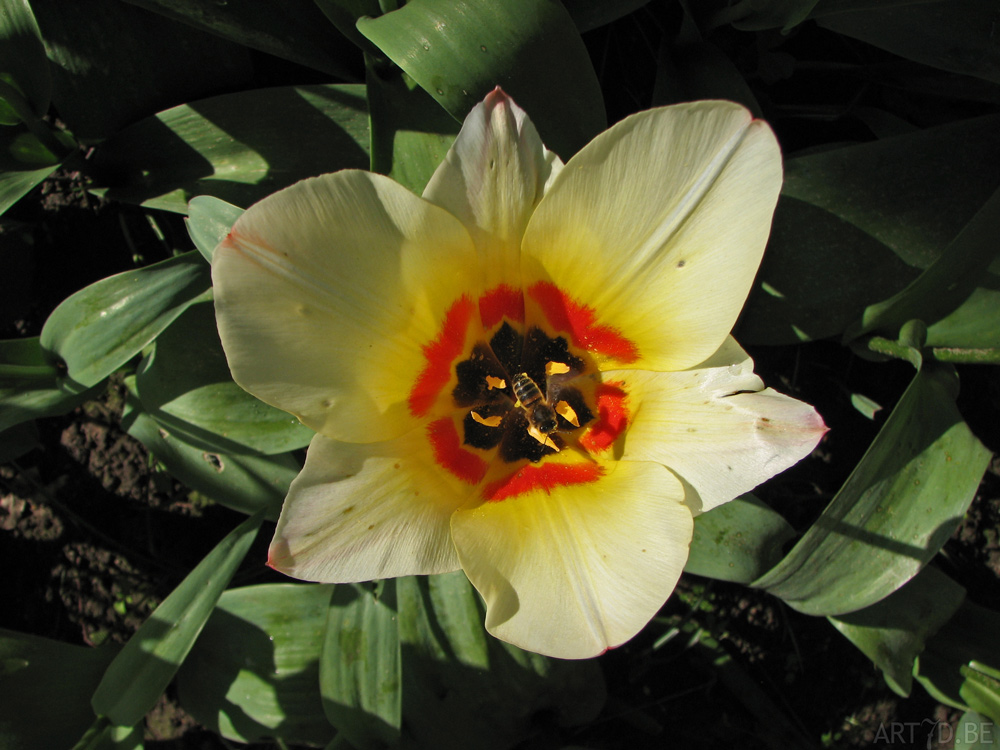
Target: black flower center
[[514, 387]]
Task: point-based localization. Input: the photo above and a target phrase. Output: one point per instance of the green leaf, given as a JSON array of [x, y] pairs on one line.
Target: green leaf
[[14, 185], [945, 284], [975, 732], [101, 327], [592, 14], [237, 147], [254, 671], [891, 516], [818, 274], [295, 30], [958, 35], [981, 689], [243, 483], [361, 671], [968, 637], [31, 386], [41, 708], [462, 688], [694, 69], [914, 193], [140, 673], [22, 56], [344, 14], [738, 541], [17, 440], [209, 221], [459, 51], [892, 632], [865, 405], [113, 64], [184, 383], [771, 14], [846, 214], [411, 134]]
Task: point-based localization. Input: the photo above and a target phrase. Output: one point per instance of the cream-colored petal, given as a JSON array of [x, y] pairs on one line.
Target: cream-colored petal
[[358, 512], [329, 292], [716, 426], [579, 569], [492, 178], [658, 226]]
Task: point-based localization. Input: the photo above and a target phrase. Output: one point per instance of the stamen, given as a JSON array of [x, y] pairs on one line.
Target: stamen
[[567, 412], [488, 421], [555, 368], [541, 437], [494, 382]]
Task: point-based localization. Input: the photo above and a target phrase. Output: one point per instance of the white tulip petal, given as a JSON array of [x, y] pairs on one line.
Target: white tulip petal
[[492, 178], [716, 426], [360, 511], [658, 226], [328, 294], [575, 570]]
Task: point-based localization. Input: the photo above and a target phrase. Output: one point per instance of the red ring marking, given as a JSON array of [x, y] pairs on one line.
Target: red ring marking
[[545, 477], [440, 353], [450, 454], [580, 322], [500, 302], [612, 417]]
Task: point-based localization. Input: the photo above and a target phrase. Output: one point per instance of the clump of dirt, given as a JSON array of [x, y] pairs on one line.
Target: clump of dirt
[[103, 594]]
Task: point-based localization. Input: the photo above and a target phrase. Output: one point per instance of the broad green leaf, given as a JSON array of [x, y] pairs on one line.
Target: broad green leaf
[[892, 632], [459, 51], [101, 327], [770, 14], [968, 637], [695, 69], [914, 193], [846, 213], [41, 708], [945, 284], [237, 147], [976, 324], [294, 30], [981, 689], [411, 134], [254, 671], [31, 386], [738, 541], [17, 440], [957, 35], [113, 64], [891, 516], [184, 383], [360, 673], [22, 57], [103, 735], [462, 688], [344, 14], [243, 483], [141, 672], [818, 274], [592, 14], [974, 732], [209, 221], [14, 185]]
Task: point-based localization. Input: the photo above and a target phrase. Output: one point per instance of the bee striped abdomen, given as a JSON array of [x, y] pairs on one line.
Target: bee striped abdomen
[[540, 415]]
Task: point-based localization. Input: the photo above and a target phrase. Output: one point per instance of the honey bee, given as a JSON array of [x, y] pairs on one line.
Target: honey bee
[[540, 415]]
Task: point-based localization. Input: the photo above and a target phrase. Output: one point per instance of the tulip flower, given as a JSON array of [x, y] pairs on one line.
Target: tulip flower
[[527, 372]]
